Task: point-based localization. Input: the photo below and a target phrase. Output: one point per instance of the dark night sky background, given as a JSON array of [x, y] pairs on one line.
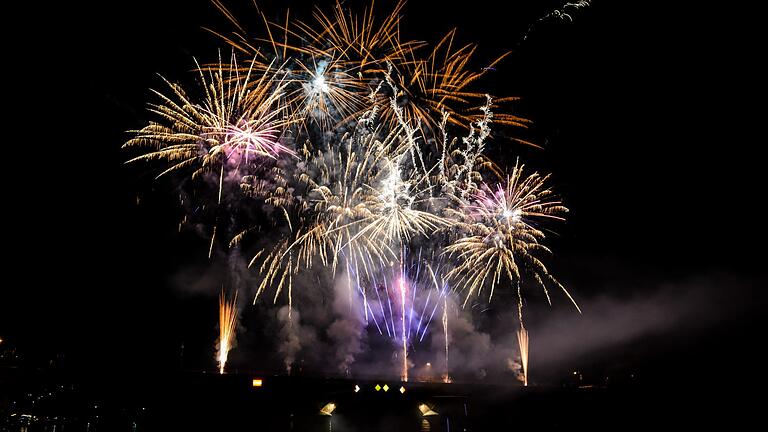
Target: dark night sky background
[[635, 103]]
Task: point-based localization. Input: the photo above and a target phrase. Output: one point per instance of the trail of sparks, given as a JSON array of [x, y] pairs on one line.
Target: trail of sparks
[[560, 13], [522, 336], [227, 328], [213, 239], [522, 340], [446, 376], [403, 335]]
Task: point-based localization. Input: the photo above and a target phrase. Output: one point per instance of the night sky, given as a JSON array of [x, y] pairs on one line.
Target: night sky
[[634, 103]]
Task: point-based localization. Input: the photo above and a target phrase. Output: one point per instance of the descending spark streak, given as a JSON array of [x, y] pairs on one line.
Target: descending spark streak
[[213, 239], [373, 316], [362, 292], [381, 306], [426, 326], [389, 305], [410, 315], [561, 13], [349, 287], [421, 317], [447, 376], [227, 327], [413, 298], [404, 338]]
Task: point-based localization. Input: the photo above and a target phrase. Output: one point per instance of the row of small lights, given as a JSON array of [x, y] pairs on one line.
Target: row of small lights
[[379, 387], [258, 382], [330, 407]]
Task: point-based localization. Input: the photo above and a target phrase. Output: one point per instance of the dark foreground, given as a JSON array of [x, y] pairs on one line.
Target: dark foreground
[[35, 400]]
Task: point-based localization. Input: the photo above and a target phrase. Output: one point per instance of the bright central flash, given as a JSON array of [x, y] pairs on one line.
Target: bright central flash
[[320, 84], [513, 214]]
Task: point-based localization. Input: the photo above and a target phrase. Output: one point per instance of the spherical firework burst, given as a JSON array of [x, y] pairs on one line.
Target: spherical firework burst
[[503, 238]]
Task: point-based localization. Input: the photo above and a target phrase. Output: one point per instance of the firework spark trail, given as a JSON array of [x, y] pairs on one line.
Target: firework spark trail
[[404, 336], [421, 317], [420, 298], [440, 293], [389, 306], [522, 340], [561, 13], [362, 293], [227, 328], [429, 321], [372, 315], [522, 336], [410, 314], [381, 306], [213, 239], [447, 376]]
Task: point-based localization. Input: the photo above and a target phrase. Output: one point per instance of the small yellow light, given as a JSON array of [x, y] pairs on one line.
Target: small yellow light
[[378, 387], [402, 389], [386, 387], [257, 382], [357, 388]]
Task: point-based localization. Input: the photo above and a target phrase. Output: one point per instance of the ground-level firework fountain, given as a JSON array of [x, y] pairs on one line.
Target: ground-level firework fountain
[[447, 374], [400, 302], [522, 340], [404, 374], [227, 328]]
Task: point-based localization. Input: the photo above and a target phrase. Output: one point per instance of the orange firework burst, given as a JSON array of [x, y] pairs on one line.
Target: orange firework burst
[[342, 57], [227, 328], [426, 88]]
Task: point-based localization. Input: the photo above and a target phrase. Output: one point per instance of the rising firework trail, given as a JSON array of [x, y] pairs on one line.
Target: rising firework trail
[[447, 375], [227, 328], [404, 337], [522, 341]]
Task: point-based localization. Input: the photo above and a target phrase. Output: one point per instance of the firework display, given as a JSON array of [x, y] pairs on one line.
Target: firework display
[[338, 145]]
